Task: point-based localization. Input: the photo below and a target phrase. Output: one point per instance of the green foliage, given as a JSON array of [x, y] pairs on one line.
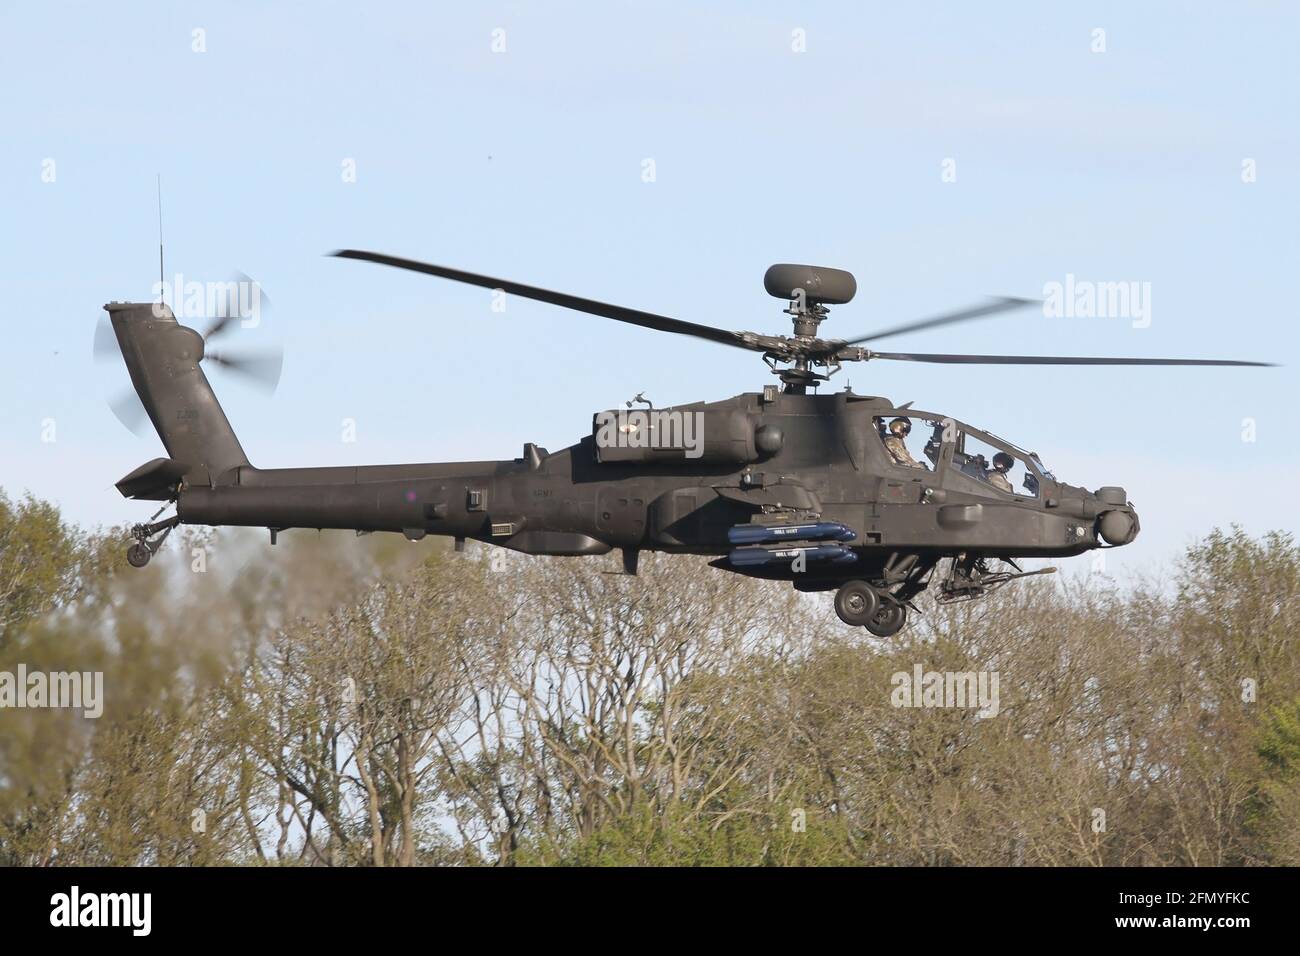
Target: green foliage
[[1280, 742], [1275, 810], [344, 701], [649, 837], [41, 559]]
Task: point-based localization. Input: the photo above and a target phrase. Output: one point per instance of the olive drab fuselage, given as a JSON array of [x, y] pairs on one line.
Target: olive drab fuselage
[[769, 458]]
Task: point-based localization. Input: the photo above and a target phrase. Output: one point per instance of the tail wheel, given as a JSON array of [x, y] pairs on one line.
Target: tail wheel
[[888, 619], [138, 554], [857, 603]]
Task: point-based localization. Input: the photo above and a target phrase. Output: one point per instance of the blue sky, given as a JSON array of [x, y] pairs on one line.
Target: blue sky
[[1123, 165]]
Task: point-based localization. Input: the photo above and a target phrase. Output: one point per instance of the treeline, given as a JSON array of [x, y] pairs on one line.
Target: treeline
[[341, 701]]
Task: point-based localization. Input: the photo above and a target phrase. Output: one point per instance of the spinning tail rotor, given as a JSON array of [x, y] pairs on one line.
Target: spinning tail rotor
[[238, 306]]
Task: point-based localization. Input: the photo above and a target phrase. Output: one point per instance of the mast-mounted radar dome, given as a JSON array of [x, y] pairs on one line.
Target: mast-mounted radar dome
[[820, 285]]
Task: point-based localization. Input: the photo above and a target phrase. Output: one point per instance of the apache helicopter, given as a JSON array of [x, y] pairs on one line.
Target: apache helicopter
[[817, 489]]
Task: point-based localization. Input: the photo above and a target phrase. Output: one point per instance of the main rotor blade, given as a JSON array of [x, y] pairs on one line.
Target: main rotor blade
[[996, 306], [619, 313], [1049, 360]]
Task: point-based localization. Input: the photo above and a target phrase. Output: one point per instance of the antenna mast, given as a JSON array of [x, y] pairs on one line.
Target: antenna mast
[[162, 275]]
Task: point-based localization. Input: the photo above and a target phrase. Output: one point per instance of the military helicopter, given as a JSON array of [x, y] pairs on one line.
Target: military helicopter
[[785, 484]]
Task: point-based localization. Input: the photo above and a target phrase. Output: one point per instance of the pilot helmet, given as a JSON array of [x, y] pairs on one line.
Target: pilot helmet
[[901, 426], [1002, 461]]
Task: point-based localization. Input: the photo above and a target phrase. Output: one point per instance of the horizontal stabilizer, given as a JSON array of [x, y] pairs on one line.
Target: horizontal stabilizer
[[154, 480]]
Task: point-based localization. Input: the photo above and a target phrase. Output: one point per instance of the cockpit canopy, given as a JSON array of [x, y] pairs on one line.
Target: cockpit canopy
[[972, 460]]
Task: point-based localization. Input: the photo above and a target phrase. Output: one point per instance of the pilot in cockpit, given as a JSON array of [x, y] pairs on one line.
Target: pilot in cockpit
[[997, 475], [896, 443]]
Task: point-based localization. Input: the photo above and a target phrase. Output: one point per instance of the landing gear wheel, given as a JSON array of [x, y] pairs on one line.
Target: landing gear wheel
[[138, 554], [856, 602], [888, 619]]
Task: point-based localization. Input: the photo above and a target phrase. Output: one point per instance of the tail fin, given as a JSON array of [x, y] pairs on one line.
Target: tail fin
[[163, 358]]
